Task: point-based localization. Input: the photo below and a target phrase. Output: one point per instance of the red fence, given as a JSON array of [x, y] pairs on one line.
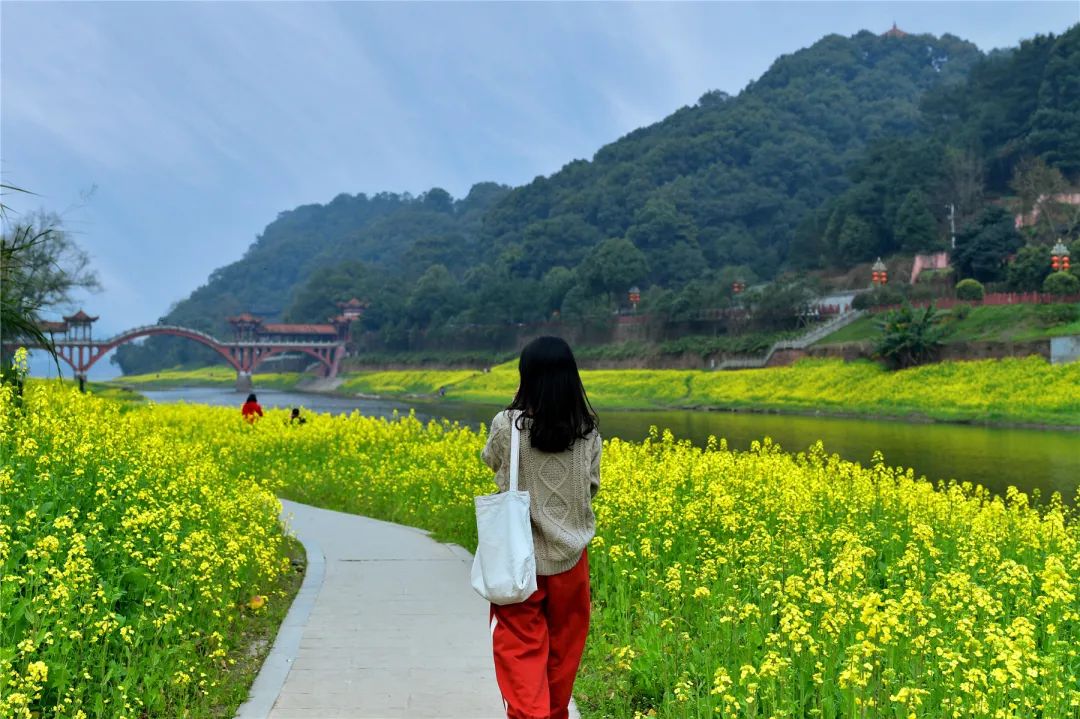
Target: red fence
[[992, 298]]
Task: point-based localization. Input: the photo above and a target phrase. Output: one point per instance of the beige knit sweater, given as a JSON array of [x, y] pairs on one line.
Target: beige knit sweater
[[560, 485]]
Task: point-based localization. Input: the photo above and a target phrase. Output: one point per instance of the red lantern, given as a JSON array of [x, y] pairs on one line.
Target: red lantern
[[878, 272], [1059, 257], [635, 296]]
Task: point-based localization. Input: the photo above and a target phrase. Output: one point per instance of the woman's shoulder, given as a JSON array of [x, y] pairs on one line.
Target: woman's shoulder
[[502, 419]]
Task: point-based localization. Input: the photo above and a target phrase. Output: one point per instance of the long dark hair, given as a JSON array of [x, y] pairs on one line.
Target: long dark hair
[[551, 396], [251, 398]]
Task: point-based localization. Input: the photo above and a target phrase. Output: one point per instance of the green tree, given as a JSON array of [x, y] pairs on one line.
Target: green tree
[[436, 294], [970, 289], [1055, 125], [1029, 268], [857, 241], [41, 268], [983, 246], [916, 229], [316, 300], [438, 199], [1061, 284], [613, 266], [556, 283]]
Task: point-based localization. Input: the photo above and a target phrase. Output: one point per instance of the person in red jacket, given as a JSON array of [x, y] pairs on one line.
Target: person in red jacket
[[251, 408]]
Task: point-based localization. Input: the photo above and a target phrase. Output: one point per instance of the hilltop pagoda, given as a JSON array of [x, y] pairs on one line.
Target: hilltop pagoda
[[894, 32]]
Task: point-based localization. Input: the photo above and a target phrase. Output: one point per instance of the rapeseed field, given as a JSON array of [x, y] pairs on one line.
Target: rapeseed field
[[725, 584], [126, 559]]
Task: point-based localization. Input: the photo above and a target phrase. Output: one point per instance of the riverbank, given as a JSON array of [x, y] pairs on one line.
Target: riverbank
[[1026, 392]]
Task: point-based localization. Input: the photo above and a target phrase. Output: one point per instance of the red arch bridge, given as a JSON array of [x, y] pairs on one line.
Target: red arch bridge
[[253, 345]]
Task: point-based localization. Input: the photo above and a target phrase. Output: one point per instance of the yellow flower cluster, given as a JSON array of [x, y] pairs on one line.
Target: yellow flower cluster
[[124, 556], [725, 583], [831, 590], [1018, 390], [755, 583]]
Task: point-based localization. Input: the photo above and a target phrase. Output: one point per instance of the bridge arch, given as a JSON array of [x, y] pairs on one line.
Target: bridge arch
[[244, 357], [82, 357]]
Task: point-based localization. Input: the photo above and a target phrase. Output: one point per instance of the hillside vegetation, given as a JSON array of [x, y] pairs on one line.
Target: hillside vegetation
[[840, 152]]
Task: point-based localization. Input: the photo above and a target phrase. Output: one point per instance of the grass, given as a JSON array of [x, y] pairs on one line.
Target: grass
[[255, 631], [1002, 323]]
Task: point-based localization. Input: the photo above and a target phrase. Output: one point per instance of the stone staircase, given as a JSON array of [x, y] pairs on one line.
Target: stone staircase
[[797, 343]]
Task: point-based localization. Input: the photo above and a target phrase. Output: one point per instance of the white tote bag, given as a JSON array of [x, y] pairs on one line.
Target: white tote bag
[[504, 568]]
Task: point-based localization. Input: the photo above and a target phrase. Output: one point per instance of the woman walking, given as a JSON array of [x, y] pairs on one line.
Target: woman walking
[[538, 643], [251, 410]]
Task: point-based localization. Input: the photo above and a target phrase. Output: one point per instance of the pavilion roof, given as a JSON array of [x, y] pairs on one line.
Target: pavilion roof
[[80, 316], [245, 317]]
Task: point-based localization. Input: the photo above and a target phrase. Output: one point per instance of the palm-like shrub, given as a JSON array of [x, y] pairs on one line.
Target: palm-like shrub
[[910, 336]]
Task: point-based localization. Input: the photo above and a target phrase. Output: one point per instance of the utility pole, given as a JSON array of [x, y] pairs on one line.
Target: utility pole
[[952, 224]]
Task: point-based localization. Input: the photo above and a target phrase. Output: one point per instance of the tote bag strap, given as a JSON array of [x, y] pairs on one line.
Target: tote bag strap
[[515, 451]]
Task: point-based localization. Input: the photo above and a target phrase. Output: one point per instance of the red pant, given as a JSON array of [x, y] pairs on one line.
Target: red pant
[[538, 644]]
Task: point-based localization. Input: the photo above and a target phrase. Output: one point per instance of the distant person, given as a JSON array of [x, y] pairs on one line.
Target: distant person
[[538, 642], [295, 418], [251, 409]]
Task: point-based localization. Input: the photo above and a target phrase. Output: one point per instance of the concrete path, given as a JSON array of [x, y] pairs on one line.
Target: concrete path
[[385, 625]]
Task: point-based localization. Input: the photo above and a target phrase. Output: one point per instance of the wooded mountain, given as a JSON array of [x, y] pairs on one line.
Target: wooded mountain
[[839, 152]]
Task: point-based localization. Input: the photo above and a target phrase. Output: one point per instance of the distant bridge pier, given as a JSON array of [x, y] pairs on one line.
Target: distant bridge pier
[[243, 381]]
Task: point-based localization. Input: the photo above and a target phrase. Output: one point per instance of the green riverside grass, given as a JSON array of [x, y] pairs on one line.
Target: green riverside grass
[[1022, 391]]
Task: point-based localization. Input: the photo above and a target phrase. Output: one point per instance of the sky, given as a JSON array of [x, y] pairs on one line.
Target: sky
[[168, 135]]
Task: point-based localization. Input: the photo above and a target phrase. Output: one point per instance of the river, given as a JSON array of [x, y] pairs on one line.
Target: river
[[1047, 460]]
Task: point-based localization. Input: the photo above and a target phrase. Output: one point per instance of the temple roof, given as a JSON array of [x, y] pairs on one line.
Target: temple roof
[[246, 317], [894, 32], [80, 316]]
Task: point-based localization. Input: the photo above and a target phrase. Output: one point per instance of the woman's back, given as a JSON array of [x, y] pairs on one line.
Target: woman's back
[[561, 486]]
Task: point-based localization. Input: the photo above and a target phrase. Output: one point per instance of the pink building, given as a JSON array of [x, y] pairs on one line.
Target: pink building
[[935, 261]]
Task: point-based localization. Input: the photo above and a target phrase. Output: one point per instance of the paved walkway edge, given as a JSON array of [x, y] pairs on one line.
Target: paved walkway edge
[[271, 678]]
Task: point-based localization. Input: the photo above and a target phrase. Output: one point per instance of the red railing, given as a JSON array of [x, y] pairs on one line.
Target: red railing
[[991, 299]]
